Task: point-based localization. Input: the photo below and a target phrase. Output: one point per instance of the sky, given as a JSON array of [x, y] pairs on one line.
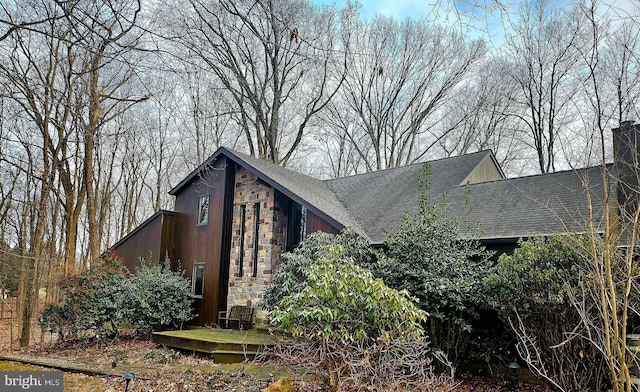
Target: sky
[[490, 27], [400, 9], [419, 9]]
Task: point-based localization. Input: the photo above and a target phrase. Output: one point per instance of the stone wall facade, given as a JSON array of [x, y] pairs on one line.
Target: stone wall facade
[[247, 281]]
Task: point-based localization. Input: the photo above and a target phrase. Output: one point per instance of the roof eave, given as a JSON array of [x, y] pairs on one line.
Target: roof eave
[[141, 225], [208, 162], [267, 179]]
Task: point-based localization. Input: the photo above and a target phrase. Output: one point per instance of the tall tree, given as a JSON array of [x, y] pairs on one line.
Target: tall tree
[[281, 61], [611, 261], [544, 50], [63, 79], [37, 139], [206, 114], [621, 70], [103, 32], [481, 117], [399, 76]]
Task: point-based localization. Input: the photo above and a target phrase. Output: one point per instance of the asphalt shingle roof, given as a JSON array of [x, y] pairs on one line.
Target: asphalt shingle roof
[[305, 190], [379, 200], [375, 202], [541, 204]]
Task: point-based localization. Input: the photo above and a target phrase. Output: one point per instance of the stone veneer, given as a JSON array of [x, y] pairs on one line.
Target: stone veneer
[[249, 190]]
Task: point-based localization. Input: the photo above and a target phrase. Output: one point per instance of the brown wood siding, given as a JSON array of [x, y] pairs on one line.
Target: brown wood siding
[[152, 240], [315, 223], [167, 240], [204, 243]]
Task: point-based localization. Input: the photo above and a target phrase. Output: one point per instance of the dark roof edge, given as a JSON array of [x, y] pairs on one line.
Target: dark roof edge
[[285, 191], [141, 225], [525, 236], [509, 239], [262, 176], [197, 170]]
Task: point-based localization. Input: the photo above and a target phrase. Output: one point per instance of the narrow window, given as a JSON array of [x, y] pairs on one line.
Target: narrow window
[[303, 222], [243, 223], [256, 239], [203, 210], [197, 280], [297, 227]]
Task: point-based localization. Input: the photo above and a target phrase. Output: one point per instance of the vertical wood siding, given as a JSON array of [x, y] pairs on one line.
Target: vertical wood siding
[[152, 241], [314, 223], [205, 243]]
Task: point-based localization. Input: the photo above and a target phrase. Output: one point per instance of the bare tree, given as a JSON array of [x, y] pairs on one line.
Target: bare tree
[[103, 32], [620, 70], [132, 173], [544, 50], [400, 75], [611, 260], [481, 116], [280, 60], [11, 22], [606, 297], [63, 84], [37, 144], [205, 113]]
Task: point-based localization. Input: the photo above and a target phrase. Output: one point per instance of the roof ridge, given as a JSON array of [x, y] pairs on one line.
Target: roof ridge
[[529, 176], [409, 165]]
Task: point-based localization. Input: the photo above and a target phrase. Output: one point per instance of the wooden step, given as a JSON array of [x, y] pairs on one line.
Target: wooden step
[[222, 356], [225, 346]]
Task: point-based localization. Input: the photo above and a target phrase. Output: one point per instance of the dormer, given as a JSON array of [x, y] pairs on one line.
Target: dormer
[[488, 169]]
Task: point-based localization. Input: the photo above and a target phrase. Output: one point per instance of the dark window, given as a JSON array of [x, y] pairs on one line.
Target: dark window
[[243, 224], [303, 223], [203, 210], [256, 238], [297, 227], [197, 280]]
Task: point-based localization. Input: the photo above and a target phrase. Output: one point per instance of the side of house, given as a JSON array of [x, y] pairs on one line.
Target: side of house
[[231, 224], [152, 240], [235, 215]]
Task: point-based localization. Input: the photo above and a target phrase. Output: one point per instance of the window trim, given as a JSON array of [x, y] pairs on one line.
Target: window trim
[[198, 265], [203, 216], [256, 239]]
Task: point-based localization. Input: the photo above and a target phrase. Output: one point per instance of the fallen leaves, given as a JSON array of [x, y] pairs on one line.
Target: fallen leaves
[[160, 369]]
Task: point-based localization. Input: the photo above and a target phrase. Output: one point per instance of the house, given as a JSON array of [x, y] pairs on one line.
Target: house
[[235, 215]]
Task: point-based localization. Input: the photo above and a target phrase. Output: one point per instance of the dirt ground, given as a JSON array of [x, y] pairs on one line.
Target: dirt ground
[[159, 369]]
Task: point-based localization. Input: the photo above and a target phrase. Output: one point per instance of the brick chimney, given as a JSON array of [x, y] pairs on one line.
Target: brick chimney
[[626, 156]]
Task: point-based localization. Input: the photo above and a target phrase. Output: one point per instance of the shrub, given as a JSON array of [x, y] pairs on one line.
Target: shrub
[[535, 291], [104, 298], [427, 257], [354, 325], [93, 301], [157, 297], [291, 276]]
